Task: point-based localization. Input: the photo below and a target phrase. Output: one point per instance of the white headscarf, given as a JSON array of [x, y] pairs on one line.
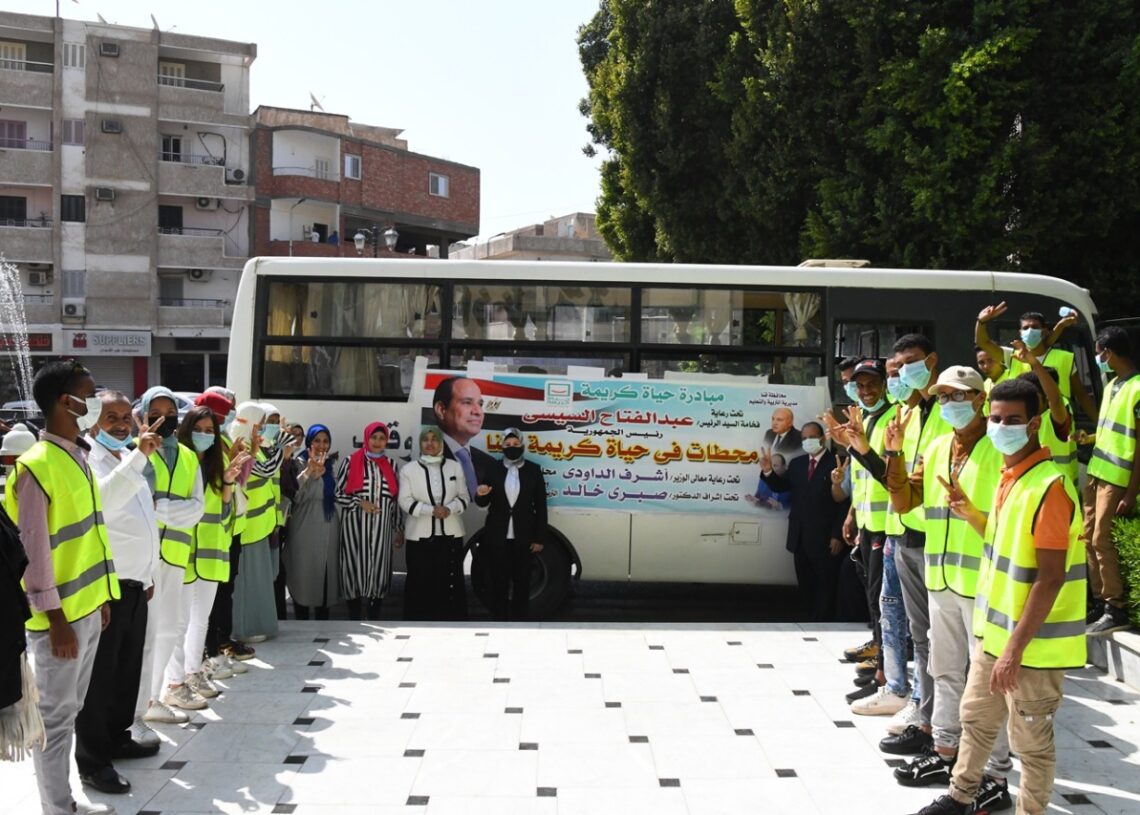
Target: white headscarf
[[248, 415]]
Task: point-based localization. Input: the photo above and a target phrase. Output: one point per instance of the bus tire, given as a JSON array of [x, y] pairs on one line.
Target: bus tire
[[549, 581]]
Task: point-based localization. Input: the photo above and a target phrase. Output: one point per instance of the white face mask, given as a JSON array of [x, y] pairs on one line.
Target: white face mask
[[94, 408], [811, 446]]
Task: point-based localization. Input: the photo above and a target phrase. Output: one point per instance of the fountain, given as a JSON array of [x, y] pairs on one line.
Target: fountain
[[14, 333]]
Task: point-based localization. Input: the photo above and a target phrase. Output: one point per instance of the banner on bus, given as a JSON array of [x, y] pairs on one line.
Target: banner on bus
[[640, 445]]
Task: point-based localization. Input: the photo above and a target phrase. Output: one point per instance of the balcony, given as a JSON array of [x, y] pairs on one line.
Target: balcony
[[194, 248], [25, 165], [183, 311], [205, 176], [187, 99], [308, 249], [27, 240], [26, 83]]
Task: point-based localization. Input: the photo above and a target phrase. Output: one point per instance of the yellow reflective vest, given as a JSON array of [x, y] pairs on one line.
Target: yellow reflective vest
[[178, 485], [1115, 448], [870, 497], [81, 556], [1059, 360], [260, 509], [1064, 452]]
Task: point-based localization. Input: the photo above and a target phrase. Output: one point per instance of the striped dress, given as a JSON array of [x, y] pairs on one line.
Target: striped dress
[[366, 538]]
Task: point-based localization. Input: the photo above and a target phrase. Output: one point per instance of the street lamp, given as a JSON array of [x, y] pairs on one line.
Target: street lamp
[[390, 236]]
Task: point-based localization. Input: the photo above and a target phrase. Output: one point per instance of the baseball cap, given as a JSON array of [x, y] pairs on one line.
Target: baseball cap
[[870, 366], [960, 378]]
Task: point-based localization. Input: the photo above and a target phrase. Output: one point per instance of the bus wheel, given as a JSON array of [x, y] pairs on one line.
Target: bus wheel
[[549, 579]]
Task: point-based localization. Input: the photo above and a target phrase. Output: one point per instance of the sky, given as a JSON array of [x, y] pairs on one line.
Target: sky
[[490, 83]]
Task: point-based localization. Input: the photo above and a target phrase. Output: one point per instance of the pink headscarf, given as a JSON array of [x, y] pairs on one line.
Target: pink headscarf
[[357, 463]]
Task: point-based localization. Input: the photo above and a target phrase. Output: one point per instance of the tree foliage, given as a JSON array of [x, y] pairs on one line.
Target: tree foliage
[[949, 134]]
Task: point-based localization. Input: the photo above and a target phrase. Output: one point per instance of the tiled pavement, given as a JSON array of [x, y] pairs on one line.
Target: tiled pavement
[[353, 718]]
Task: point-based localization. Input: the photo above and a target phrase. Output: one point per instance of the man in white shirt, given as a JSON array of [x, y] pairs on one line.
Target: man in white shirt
[[104, 728]]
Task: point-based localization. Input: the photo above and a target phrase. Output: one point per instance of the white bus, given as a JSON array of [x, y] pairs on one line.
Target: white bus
[[336, 342]]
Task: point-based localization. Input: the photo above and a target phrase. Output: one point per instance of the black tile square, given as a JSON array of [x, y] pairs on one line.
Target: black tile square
[[1099, 743], [656, 647], [613, 704], [482, 634], [295, 759], [407, 685], [413, 753], [528, 745], [512, 710], [417, 800], [280, 808], [403, 659], [548, 792], [845, 724], [1076, 798], [593, 676], [764, 666], [801, 693], [500, 680], [574, 651], [490, 656], [896, 762], [403, 636], [409, 715], [735, 642], [321, 640], [303, 721], [198, 725], [639, 739], [708, 698], [669, 782], [811, 639], [744, 731], [310, 689], [316, 663], [680, 670], [173, 765], [1118, 702], [785, 773]]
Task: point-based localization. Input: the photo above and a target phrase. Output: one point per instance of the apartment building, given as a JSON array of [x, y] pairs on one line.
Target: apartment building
[[572, 237], [322, 179], [125, 196]]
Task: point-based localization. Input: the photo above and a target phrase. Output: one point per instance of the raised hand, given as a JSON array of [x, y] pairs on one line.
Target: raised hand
[[1023, 354], [765, 460], [835, 430], [961, 505], [149, 440], [840, 471], [234, 469], [992, 312], [316, 466], [896, 430], [1068, 321], [856, 433]]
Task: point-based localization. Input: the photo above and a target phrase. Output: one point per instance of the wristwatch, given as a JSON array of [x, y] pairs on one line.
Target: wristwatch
[[892, 453]]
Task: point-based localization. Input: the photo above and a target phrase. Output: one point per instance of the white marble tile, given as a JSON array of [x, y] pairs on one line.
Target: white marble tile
[[589, 765], [483, 696], [666, 718], [462, 805], [705, 757], [359, 738], [477, 773], [250, 707], [227, 742], [145, 784], [375, 780], [466, 731], [621, 801], [598, 725], [748, 796], [226, 788]]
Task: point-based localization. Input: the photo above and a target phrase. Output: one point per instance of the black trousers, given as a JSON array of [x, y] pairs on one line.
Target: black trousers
[[109, 708], [279, 582], [817, 574], [851, 599], [364, 608], [871, 553], [434, 589], [510, 566], [221, 624]]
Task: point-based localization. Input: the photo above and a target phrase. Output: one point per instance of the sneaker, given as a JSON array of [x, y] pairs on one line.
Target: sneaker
[[202, 686], [864, 681], [143, 733], [862, 693], [868, 650], [909, 715], [1113, 619], [235, 666], [216, 668], [161, 712], [182, 696], [911, 742], [867, 668], [992, 796], [884, 703], [945, 805], [927, 770], [237, 650]]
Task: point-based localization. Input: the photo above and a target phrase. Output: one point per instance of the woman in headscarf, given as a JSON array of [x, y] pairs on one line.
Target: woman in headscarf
[[366, 489], [311, 545], [434, 494]]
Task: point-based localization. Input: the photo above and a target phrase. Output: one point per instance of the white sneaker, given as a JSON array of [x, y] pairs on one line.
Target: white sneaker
[[883, 703], [235, 665], [89, 808], [161, 712], [216, 668], [183, 697], [142, 733], [904, 718], [202, 686]]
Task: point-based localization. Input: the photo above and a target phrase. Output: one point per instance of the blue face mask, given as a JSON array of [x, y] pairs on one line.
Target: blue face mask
[[270, 432], [897, 389], [958, 414], [372, 455], [915, 374], [1008, 439], [1104, 366], [202, 441], [875, 408], [229, 418], [110, 442], [852, 391], [1031, 337]]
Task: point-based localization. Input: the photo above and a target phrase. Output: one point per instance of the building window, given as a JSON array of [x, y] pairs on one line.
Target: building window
[[438, 185], [13, 134], [13, 209], [172, 148], [14, 56], [73, 283], [72, 208], [172, 73], [74, 55], [352, 167], [73, 131]]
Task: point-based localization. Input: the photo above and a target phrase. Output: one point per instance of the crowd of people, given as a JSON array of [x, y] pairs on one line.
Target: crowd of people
[[154, 552], [951, 497]]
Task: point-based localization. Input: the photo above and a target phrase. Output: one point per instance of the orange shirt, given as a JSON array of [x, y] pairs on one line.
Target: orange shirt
[[1051, 528]]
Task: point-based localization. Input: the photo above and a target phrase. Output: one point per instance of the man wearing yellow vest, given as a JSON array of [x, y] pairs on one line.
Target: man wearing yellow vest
[[70, 578], [1028, 615], [1113, 478], [952, 558], [1056, 431]]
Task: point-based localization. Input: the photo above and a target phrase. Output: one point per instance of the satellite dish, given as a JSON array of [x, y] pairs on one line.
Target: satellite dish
[[315, 104]]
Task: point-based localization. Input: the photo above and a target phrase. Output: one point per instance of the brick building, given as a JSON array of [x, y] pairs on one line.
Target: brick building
[[321, 178]]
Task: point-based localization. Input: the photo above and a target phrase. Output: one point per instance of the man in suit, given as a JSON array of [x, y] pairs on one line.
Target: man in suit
[[458, 407], [783, 437], [515, 494], [815, 523]]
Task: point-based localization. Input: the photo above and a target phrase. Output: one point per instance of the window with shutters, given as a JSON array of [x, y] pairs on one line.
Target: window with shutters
[[74, 131], [172, 73], [72, 208], [438, 185], [352, 167], [13, 135], [73, 283], [74, 55], [13, 56]]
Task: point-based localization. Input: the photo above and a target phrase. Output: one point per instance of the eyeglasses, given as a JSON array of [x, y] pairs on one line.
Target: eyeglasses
[[956, 396]]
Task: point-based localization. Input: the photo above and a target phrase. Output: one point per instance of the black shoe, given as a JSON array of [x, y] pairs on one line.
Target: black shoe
[[869, 689], [910, 742], [864, 681], [107, 780], [1113, 619], [925, 771], [992, 796], [1093, 614], [869, 670], [237, 650], [946, 805], [132, 749]]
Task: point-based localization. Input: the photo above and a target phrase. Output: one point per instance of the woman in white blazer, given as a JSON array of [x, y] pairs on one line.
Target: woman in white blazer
[[433, 494]]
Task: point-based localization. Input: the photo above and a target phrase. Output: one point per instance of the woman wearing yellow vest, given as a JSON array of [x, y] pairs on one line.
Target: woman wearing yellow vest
[[1114, 478], [209, 562], [1029, 608]]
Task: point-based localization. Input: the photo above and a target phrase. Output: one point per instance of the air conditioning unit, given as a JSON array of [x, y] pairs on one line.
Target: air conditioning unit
[[206, 203], [74, 307], [111, 126], [235, 176], [199, 275], [104, 194], [39, 278], [108, 49]]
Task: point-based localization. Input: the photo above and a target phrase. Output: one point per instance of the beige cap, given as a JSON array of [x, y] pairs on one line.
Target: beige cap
[[960, 378]]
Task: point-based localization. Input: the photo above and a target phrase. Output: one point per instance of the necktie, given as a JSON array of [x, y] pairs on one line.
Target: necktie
[[811, 467], [463, 456]]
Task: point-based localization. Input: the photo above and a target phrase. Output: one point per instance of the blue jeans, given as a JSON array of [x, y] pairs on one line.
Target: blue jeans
[[894, 623]]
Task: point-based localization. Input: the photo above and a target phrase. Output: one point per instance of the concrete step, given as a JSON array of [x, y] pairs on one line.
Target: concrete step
[[1118, 655]]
